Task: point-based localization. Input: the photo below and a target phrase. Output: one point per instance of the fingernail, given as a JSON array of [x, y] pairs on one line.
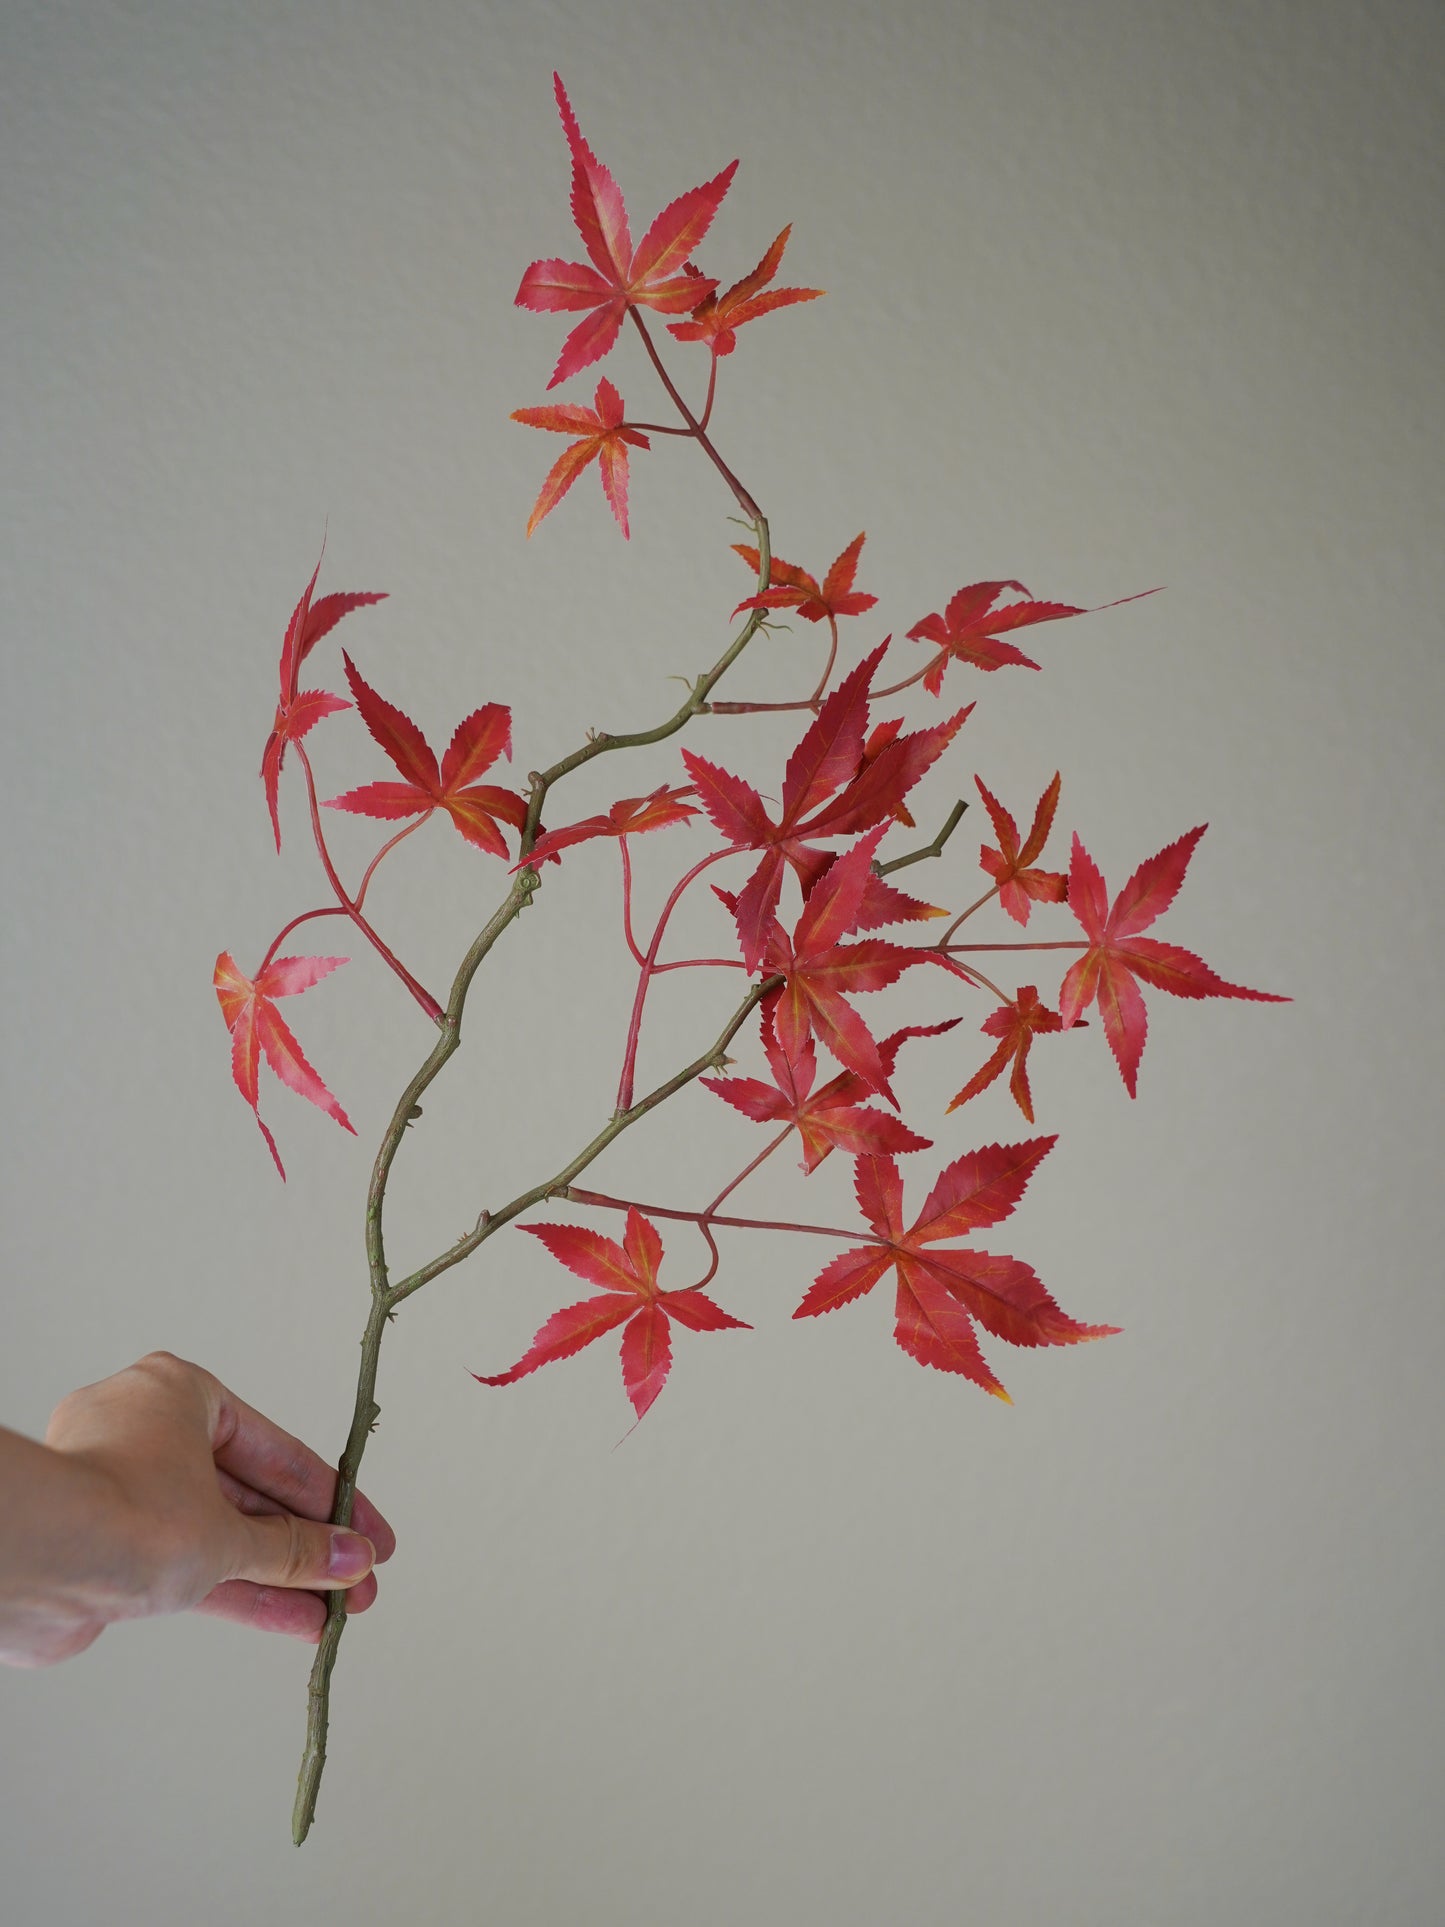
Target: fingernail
[[352, 1554]]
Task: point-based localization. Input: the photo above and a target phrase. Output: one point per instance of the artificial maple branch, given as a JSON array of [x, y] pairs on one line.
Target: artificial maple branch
[[840, 781]]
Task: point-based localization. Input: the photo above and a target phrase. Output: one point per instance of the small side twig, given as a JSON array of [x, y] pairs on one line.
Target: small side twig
[[935, 848]]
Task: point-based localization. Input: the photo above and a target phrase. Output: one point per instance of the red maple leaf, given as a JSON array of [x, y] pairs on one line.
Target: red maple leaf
[[971, 627], [790, 587], [629, 817], [257, 1029], [942, 1293], [627, 1274], [620, 277], [877, 740], [820, 972], [299, 710], [476, 744], [1009, 864], [1118, 958], [829, 789], [836, 1116], [605, 439], [717, 317], [1017, 1024]]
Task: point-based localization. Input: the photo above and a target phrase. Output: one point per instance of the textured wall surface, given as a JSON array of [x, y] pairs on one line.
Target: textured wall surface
[[1121, 293]]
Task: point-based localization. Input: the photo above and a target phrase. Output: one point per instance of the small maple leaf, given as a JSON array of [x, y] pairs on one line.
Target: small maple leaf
[[1017, 1024], [942, 1293], [476, 744], [629, 817], [834, 1117], [820, 972], [257, 1029], [630, 1297], [620, 277], [829, 789], [1118, 958], [605, 439], [790, 587], [299, 710], [971, 628], [1009, 864], [717, 317]]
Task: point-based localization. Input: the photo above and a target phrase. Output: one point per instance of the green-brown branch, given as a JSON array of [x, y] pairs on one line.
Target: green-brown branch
[[385, 1298]]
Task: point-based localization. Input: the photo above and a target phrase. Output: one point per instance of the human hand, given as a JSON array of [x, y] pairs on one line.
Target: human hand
[[158, 1490]]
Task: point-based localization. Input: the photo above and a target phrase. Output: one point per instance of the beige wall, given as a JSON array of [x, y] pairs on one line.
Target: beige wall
[[1120, 294]]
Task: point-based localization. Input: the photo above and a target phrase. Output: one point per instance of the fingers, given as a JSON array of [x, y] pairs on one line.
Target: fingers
[[364, 1516], [268, 1609], [282, 1549], [271, 1462]]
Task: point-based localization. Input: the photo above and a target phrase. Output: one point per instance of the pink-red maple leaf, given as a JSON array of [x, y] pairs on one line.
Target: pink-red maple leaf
[[1017, 1024], [790, 587], [717, 317], [476, 744], [1118, 959], [1009, 865], [257, 1029], [604, 438], [629, 817], [820, 972], [829, 789], [299, 710], [621, 276], [941, 1294], [834, 1117], [627, 1274], [972, 626]]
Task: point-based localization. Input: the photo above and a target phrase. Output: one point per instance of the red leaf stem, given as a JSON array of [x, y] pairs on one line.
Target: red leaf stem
[[649, 964], [576, 1195], [423, 996], [744, 501]]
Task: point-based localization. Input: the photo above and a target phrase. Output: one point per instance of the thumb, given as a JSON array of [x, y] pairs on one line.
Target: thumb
[[283, 1550]]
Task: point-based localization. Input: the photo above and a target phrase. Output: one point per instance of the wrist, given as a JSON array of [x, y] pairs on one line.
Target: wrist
[[68, 1563]]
